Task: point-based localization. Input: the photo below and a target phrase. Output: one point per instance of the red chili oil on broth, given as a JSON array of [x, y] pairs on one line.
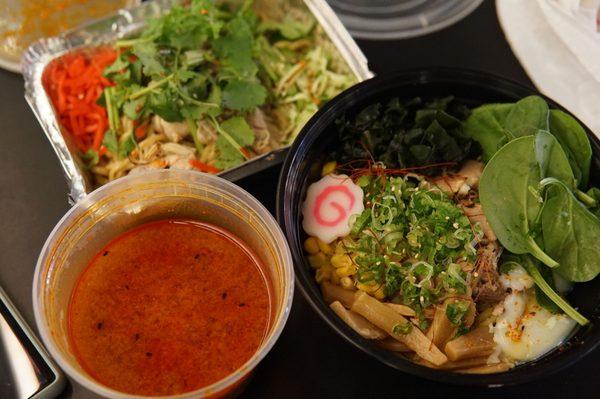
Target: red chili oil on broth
[[168, 307]]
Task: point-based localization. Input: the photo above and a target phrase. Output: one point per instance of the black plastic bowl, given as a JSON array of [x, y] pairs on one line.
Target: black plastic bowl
[[303, 165]]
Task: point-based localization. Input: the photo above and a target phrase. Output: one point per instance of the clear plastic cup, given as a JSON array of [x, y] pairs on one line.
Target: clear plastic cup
[[400, 19], [136, 199]]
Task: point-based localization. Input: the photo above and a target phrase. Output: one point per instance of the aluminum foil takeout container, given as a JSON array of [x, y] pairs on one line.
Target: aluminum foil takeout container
[[127, 22]]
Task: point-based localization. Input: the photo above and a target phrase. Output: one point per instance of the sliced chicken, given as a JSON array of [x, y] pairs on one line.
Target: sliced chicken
[[177, 156], [450, 184], [475, 214], [175, 131], [258, 122], [472, 171], [206, 133], [462, 181]]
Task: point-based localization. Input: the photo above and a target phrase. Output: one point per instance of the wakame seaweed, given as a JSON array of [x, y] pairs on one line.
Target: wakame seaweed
[[407, 133]]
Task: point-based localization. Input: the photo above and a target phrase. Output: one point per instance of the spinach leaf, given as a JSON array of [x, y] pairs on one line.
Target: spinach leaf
[[534, 271], [486, 126], [507, 200], [543, 299], [552, 160], [493, 125], [527, 116], [570, 233], [594, 194], [574, 142]]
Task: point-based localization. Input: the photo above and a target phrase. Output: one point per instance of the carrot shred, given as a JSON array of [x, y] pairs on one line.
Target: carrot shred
[[140, 131], [74, 82], [203, 167]]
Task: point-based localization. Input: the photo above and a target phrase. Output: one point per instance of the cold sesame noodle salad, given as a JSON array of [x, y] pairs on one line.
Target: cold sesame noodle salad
[[206, 86], [451, 235]]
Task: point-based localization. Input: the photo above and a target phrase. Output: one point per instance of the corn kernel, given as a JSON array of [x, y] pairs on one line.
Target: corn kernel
[[379, 293], [323, 274], [346, 271], [339, 249], [370, 288], [347, 283], [325, 248], [311, 245], [318, 260], [328, 168], [365, 287], [341, 261]]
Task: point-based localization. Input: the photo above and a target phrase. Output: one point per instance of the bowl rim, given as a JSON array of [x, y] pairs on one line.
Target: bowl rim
[[170, 176], [306, 138]]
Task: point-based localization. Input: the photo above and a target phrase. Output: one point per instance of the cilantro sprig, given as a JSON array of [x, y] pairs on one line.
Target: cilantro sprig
[[192, 63]]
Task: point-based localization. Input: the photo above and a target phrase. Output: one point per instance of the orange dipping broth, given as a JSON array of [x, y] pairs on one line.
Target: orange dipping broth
[[169, 307]]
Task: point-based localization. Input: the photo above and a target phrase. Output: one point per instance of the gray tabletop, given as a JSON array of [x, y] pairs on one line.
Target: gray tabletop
[[309, 360]]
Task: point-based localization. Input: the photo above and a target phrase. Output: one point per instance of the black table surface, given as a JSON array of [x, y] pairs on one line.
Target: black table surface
[[309, 360]]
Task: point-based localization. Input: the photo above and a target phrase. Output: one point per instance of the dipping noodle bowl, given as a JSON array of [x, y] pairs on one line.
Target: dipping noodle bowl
[[170, 283]]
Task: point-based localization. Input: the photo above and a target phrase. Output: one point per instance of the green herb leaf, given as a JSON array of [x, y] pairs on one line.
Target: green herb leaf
[[120, 63], [402, 328], [127, 146], [165, 103], [243, 95], [240, 133], [235, 49], [229, 157], [239, 130], [456, 311], [91, 157], [148, 56], [361, 222], [110, 141], [289, 28], [132, 109]]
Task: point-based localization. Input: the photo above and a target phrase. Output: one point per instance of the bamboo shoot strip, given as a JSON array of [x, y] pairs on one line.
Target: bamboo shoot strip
[[401, 309], [487, 369], [332, 293], [476, 343], [397, 327], [441, 330], [356, 322]]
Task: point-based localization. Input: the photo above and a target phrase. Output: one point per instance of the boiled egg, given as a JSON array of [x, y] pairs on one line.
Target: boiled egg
[[517, 279], [525, 330]]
